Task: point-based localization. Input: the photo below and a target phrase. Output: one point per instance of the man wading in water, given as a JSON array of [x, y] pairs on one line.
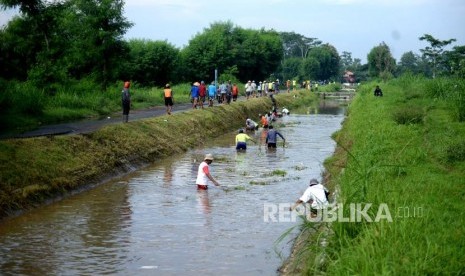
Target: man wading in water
[[203, 174]]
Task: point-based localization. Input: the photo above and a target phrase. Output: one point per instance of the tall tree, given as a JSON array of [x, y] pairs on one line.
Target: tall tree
[[456, 60], [409, 62], [99, 38], [255, 54], [291, 68], [297, 45], [433, 53], [328, 60], [380, 62], [151, 62]]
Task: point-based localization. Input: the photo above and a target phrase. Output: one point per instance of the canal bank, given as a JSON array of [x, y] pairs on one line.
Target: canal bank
[[403, 151], [39, 170]]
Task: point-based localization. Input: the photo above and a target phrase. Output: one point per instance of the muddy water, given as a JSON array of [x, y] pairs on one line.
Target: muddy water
[[155, 222]]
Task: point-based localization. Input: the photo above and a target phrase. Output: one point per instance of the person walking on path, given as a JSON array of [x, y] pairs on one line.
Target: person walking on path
[[235, 92], [203, 174], [223, 91], [195, 94], [168, 95], [241, 140], [202, 93], [271, 137], [248, 89], [126, 101], [211, 93], [316, 194]]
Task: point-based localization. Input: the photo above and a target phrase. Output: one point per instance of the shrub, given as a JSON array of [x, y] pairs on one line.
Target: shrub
[[408, 115], [456, 152]]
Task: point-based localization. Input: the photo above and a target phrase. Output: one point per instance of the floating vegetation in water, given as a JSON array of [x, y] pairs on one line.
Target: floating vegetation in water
[[237, 188], [230, 169], [244, 173], [255, 182], [279, 172], [293, 123], [299, 167]]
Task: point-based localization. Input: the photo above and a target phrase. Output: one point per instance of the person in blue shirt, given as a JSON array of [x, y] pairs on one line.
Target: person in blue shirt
[[211, 93], [195, 94], [271, 137]]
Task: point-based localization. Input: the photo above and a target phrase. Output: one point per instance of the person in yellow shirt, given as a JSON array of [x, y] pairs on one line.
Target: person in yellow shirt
[[241, 140]]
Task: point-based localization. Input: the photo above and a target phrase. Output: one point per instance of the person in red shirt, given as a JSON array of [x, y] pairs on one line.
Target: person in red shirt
[[202, 93]]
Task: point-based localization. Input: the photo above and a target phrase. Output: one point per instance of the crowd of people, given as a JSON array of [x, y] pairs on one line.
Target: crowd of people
[[227, 91], [316, 194], [202, 93]]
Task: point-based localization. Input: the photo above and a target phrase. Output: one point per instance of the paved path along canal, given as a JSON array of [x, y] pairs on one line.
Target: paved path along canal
[[155, 222]]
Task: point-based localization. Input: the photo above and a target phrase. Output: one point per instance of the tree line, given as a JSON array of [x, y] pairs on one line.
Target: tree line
[[57, 44]]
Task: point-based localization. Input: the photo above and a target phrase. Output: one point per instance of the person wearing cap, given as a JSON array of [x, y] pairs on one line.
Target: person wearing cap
[[271, 137], [126, 101], [259, 89], [254, 89], [316, 194], [195, 94], [241, 140], [248, 89], [168, 95], [203, 174]]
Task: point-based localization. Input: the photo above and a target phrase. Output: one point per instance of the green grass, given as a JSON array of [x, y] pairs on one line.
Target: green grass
[[26, 107], [416, 168]]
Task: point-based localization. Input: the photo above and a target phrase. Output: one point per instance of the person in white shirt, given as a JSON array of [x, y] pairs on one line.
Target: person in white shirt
[[203, 174], [316, 194]]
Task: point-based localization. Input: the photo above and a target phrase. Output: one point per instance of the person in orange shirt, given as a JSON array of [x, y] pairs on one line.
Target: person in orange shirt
[[168, 93], [264, 121], [235, 92]]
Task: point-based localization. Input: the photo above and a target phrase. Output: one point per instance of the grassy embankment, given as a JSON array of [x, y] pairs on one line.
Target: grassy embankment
[[405, 150], [25, 107], [35, 170]]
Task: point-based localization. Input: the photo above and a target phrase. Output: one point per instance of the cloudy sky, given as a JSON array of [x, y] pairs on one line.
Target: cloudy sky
[[354, 26]]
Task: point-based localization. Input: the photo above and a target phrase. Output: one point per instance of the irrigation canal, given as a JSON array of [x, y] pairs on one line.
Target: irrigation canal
[[155, 222]]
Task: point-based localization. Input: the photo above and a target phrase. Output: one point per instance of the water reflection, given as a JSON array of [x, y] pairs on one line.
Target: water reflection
[[155, 221], [203, 201]]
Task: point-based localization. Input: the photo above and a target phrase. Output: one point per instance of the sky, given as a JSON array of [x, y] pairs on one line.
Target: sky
[[354, 26]]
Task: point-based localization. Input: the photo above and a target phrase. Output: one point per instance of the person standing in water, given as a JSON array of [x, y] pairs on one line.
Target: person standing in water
[[271, 137], [203, 173], [241, 140]]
